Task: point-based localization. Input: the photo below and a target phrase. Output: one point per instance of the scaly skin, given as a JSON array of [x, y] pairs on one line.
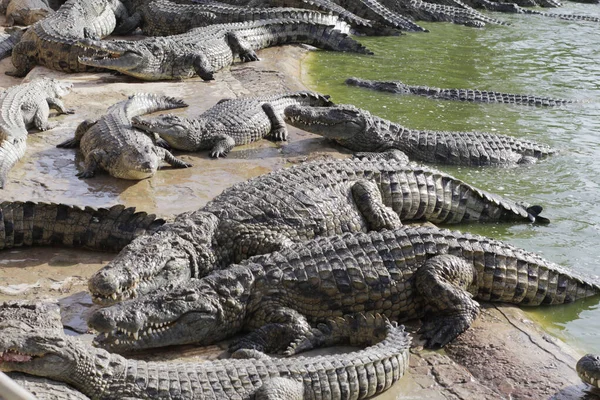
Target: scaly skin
[[229, 123], [112, 144], [474, 95], [51, 42], [8, 42], [25, 347], [49, 224], [426, 11], [406, 273], [358, 130], [164, 17], [270, 212], [588, 369], [203, 51], [25, 106]]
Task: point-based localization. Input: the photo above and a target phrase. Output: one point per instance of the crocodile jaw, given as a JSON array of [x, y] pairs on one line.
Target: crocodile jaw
[[123, 62]]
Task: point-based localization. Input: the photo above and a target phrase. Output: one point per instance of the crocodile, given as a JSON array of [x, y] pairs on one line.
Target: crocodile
[[588, 369], [100, 375], [50, 224], [514, 8], [273, 211], [26, 12], [473, 95], [112, 144], [202, 51], [407, 273], [378, 16], [358, 130], [25, 106], [229, 123], [427, 11], [164, 17], [51, 42]]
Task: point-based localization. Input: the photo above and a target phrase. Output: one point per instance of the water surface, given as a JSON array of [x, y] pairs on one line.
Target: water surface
[[534, 55]]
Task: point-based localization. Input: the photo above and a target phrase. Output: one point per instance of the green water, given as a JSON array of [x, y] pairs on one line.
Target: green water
[[534, 55]]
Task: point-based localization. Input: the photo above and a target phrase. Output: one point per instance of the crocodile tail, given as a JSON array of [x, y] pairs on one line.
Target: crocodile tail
[[285, 31], [42, 224], [11, 151], [144, 103]]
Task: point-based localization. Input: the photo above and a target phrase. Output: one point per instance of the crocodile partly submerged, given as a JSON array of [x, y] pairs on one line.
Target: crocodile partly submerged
[[25, 106], [229, 123], [358, 130], [50, 224], [37, 349], [203, 51], [474, 95], [272, 211], [112, 144], [423, 272]]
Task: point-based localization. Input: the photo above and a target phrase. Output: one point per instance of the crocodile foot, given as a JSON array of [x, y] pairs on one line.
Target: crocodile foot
[[441, 330]]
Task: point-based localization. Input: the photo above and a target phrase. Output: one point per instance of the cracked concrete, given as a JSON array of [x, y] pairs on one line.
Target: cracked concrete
[[503, 356]]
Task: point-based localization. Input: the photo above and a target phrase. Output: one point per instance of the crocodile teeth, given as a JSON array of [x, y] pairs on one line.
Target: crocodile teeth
[[114, 296], [136, 335]]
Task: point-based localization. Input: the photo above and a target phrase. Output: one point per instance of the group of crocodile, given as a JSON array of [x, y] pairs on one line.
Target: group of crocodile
[[322, 255]]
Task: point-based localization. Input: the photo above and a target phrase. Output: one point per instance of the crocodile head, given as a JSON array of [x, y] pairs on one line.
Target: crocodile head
[[177, 252], [349, 126], [588, 369], [175, 130], [202, 311], [140, 59], [32, 340], [385, 86], [58, 88], [136, 163]]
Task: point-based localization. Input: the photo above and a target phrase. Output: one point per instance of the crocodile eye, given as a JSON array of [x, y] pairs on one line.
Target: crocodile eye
[[192, 297]]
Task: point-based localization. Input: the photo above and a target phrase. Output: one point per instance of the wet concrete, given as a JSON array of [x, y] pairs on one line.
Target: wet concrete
[[502, 356]]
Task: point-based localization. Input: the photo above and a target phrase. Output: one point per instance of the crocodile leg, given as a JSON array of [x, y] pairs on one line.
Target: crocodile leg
[[241, 47], [222, 145], [92, 163], [40, 118], [281, 327], [368, 200], [56, 104], [443, 281], [23, 58], [82, 128], [171, 159], [278, 128], [202, 67], [128, 24], [280, 388]]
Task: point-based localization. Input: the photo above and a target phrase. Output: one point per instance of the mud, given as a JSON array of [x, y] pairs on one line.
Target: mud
[[503, 356]]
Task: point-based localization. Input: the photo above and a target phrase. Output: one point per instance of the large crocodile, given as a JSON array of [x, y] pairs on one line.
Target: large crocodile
[[49, 224], [202, 51], [51, 42], [112, 144], [474, 95], [21, 107], [229, 123], [422, 272], [164, 17], [588, 369], [272, 211], [29, 348], [358, 130]]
